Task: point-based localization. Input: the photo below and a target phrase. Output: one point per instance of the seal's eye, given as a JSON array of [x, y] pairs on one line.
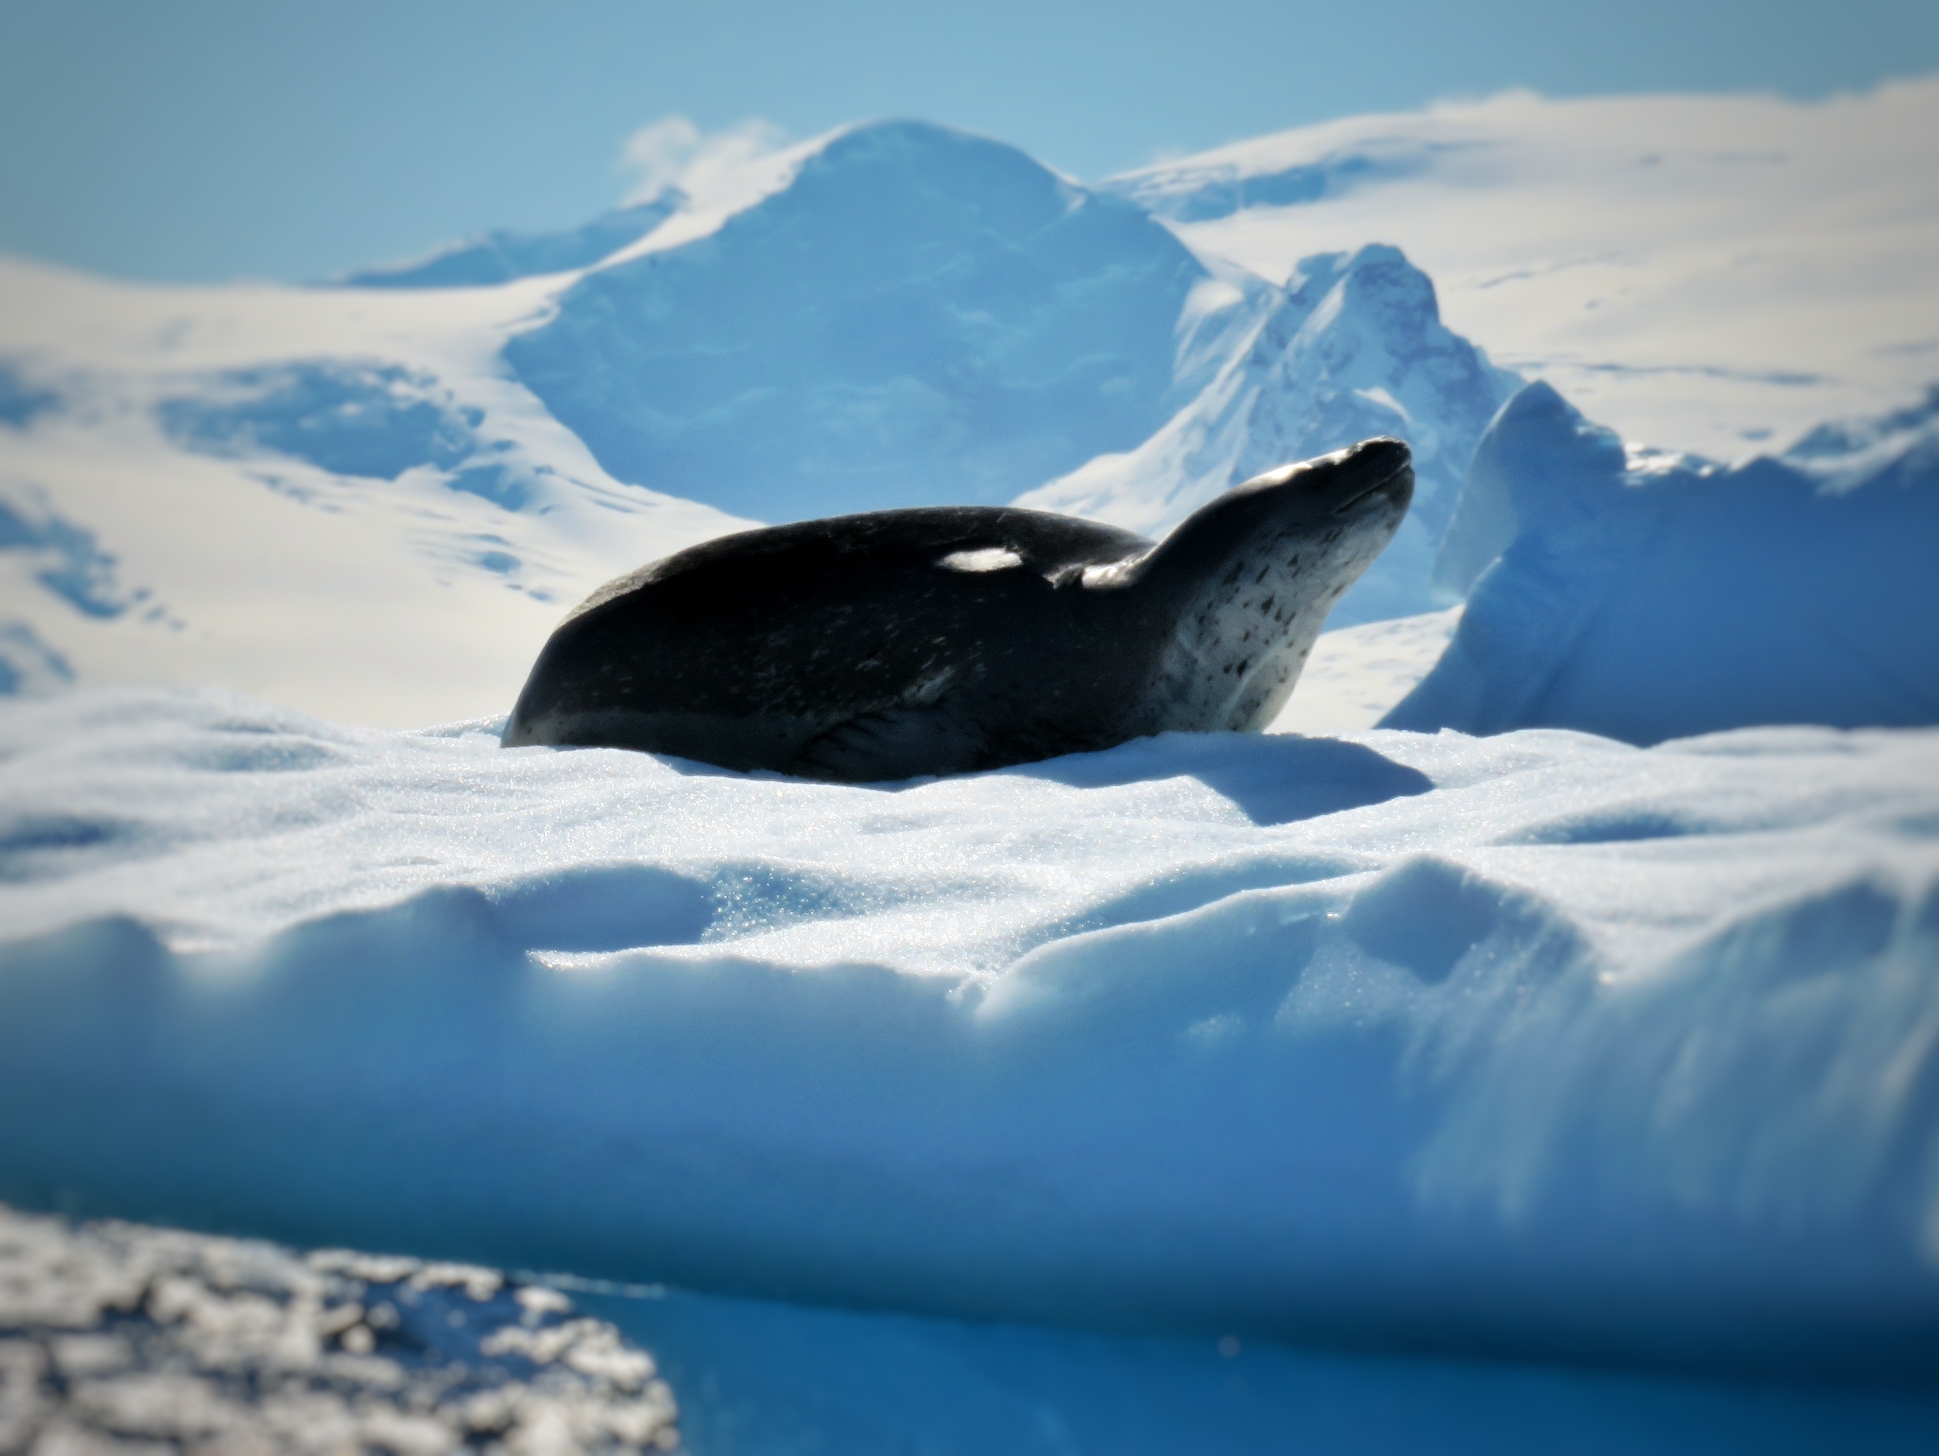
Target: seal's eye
[[989, 558]]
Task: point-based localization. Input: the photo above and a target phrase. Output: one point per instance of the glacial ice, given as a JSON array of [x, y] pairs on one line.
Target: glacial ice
[[1353, 347], [348, 417]]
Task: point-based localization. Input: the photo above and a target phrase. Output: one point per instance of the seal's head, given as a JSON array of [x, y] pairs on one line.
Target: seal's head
[[1250, 577]]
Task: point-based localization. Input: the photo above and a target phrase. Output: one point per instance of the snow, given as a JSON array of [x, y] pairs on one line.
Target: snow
[[498, 257], [1705, 273], [1648, 596], [1531, 1044]]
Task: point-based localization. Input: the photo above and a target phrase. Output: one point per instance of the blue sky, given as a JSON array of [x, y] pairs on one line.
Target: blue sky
[[217, 139]]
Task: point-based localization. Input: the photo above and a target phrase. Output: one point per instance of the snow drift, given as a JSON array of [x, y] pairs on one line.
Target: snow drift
[[1538, 1043]]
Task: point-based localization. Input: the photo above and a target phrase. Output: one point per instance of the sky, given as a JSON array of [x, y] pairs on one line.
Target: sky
[[216, 139]]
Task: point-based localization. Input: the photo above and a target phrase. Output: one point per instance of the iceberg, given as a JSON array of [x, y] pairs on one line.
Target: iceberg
[[1644, 596]]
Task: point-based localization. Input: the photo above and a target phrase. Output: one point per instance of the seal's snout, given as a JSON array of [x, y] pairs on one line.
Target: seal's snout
[[1382, 455]]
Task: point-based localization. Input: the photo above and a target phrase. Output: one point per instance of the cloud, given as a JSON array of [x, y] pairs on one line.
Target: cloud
[[673, 152]]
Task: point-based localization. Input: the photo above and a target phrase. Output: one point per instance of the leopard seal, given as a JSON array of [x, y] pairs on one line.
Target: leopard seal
[[950, 639]]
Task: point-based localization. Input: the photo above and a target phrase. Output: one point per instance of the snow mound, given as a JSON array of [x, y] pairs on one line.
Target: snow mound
[[1538, 1042], [113, 1333], [1647, 596], [1353, 347]]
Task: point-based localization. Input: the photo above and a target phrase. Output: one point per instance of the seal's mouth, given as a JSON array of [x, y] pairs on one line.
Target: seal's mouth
[[1385, 467], [1398, 488]]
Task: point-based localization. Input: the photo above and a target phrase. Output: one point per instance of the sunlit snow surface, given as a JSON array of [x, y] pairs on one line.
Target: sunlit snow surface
[[1647, 596], [1537, 1043]]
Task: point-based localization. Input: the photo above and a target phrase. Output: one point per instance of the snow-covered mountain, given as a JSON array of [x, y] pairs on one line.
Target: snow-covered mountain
[[1707, 273], [918, 316]]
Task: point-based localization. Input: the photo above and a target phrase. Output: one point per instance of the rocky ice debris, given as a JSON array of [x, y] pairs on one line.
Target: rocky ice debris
[[116, 1335]]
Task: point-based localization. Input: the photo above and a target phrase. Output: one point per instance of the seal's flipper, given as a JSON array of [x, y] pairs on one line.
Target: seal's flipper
[[898, 743]]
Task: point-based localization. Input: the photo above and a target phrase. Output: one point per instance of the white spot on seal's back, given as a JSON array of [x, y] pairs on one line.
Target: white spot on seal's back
[[1111, 574], [987, 558]]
